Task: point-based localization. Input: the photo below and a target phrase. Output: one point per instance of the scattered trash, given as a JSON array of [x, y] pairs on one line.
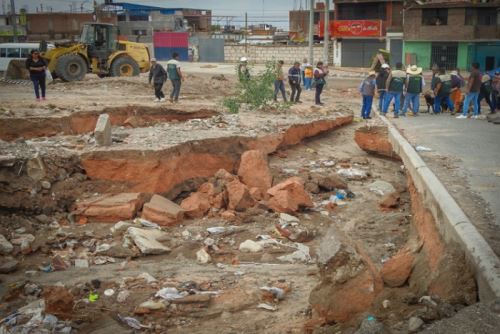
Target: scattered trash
[[276, 293], [423, 149], [352, 173], [152, 305], [285, 218], [93, 297], [170, 294], [109, 292], [268, 307], [99, 260], [146, 223], [386, 303], [132, 322]]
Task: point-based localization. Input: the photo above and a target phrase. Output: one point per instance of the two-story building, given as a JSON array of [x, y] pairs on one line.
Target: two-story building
[[362, 27], [452, 33]]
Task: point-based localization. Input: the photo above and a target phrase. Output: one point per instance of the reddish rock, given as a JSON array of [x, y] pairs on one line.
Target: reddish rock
[[59, 302], [228, 215], [254, 170], [396, 271], [289, 196], [162, 211], [331, 182], [256, 194], [196, 205], [348, 287], [239, 197], [390, 201], [110, 208], [374, 139], [224, 176]]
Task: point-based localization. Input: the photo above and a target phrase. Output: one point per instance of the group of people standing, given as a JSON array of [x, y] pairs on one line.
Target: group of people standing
[[299, 75], [446, 90]]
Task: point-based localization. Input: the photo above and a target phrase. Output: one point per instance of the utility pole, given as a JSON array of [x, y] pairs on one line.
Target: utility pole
[[311, 31], [246, 33], [13, 19], [326, 35]]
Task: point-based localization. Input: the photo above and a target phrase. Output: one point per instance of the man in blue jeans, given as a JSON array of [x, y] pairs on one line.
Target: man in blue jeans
[[414, 86], [395, 86], [175, 75], [472, 92], [442, 91]]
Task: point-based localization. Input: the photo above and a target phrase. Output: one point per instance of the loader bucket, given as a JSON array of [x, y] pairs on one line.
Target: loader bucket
[[16, 70]]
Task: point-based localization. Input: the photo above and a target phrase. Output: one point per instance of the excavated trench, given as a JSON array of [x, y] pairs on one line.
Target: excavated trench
[[351, 280], [81, 122]]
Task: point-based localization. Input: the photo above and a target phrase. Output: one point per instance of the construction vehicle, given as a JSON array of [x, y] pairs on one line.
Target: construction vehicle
[[98, 51]]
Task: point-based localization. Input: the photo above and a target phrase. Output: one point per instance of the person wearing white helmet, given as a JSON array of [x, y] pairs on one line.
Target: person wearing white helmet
[[243, 71], [158, 74]]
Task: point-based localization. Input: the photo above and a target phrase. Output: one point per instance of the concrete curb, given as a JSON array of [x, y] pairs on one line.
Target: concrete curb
[[452, 223]]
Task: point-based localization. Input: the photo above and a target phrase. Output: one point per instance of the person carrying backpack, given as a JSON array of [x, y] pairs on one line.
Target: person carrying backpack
[[442, 91], [395, 86], [485, 93]]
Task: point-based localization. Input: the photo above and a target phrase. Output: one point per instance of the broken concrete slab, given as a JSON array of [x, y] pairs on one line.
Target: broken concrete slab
[[102, 130], [162, 211], [5, 246], [147, 240], [110, 208]]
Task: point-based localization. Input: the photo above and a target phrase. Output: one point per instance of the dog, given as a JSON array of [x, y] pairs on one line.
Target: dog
[[429, 101]]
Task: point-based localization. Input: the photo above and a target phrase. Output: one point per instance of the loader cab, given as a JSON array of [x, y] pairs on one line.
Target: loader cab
[[101, 39]]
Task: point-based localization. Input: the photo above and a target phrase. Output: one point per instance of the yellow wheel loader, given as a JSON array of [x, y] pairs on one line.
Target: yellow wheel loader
[[100, 52]]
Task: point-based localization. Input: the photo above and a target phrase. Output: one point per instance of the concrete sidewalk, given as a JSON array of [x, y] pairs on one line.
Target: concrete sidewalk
[[471, 170]]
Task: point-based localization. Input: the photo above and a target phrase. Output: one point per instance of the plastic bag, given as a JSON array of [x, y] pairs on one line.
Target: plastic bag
[[48, 76]]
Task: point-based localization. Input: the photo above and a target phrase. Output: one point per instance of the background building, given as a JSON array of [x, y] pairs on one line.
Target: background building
[[139, 22], [299, 22], [453, 33], [362, 27]]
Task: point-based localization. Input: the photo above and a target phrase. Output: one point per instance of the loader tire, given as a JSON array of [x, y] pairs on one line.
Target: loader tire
[[124, 67], [71, 67]]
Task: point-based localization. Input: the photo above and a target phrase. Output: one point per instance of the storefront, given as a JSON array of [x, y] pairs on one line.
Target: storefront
[[358, 41]]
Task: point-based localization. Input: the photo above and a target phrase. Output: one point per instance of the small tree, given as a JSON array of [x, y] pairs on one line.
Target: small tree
[[255, 91]]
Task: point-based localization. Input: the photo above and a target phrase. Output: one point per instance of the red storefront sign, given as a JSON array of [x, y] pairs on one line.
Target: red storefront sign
[[357, 28]]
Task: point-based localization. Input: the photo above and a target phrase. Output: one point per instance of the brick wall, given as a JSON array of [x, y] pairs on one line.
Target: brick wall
[[262, 53], [455, 30]]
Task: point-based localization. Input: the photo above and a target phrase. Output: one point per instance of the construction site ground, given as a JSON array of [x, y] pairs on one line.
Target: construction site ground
[[229, 293]]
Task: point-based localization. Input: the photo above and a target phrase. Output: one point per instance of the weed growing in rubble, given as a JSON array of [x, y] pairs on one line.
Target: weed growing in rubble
[[257, 91]]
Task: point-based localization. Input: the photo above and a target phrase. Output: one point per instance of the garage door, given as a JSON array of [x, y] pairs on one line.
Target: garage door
[[359, 52]]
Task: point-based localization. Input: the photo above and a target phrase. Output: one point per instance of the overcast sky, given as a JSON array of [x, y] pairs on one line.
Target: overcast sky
[[259, 11]]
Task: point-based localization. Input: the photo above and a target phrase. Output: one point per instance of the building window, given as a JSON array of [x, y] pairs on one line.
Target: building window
[[364, 11], [435, 17], [482, 16], [141, 32]]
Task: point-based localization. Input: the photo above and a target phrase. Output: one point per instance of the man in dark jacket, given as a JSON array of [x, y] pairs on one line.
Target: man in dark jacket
[[294, 78], [158, 74], [381, 79]]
